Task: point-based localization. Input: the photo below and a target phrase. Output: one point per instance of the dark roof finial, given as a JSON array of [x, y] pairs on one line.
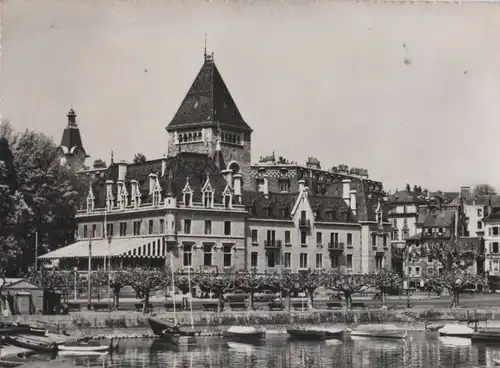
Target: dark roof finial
[[205, 51], [71, 117]]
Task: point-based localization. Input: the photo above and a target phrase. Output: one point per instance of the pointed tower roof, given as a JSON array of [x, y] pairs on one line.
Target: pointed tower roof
[[71, 138], [208, 102]]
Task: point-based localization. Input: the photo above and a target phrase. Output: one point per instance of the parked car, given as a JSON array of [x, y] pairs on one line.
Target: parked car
[[264, 296], [236, 296]]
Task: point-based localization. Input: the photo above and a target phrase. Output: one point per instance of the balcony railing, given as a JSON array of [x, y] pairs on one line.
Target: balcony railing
[[304, 223], [336, 246], [272, 244]]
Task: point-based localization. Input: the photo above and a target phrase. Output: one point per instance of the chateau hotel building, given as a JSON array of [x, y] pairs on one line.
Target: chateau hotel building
[[207, 207]]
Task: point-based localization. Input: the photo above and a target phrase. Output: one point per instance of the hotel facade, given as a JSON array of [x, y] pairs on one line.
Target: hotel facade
[[206, 207]]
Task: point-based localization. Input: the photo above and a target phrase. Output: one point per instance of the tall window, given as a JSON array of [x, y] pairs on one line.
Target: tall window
[[94, 230], [188, 198], [85, 234], [479, 225], [109, 229], [187, 226], [228, 255], [137, 228], [288, 260], [227, 201], [156, 198], [208, 198], [319, 260], [287, 237], [303, 260], [479, 212], [348, 261], [161, 226], [151, 227], [255, 236], [379, 262], [188, 255], [254, 256], [385, 240], [334, 238], [207, 254], [227, 227], [349, 239], [494, 247], [123, 228], [284, 186], [271, 259], [303, 238], [208, 227], [374, 240], [319, 237]]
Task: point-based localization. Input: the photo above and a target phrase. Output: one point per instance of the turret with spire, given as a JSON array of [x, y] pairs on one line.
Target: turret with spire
[[71, 151]]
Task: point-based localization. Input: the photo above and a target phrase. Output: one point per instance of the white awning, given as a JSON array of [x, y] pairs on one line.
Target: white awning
[[142, 247]]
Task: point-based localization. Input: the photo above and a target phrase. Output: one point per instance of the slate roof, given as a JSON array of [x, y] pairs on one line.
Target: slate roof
[[208, 101], [440, 218], [194, 166], [405, 196], [494, 215], [71, 136], [479, 200], [276, 206], [331, 209]]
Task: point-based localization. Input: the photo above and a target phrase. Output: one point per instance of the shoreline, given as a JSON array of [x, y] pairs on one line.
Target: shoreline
[[212, 324]]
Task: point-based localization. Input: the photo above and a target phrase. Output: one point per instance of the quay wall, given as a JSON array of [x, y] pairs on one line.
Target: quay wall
[[211, 320]]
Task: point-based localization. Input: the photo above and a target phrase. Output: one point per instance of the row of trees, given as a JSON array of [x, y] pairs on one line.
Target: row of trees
[[145, 281], [101, 164]]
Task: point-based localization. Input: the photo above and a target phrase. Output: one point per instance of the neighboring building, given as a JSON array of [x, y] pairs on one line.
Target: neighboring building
[[403, 213], [492, 247], [71, 151], [206, 208]]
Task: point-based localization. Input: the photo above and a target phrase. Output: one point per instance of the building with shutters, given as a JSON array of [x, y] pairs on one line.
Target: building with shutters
[[206, 207]]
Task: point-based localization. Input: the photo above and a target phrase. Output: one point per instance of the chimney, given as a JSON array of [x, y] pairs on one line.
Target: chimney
[[465, 192], [353, 201], [122, 170], [302, 185], [152, 179], [163, 166], [346, 187], [265, 189], [237, 187], [228, 175]]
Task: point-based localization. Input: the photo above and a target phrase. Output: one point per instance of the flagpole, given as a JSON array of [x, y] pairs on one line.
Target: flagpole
[[190, 298], [173, 284]]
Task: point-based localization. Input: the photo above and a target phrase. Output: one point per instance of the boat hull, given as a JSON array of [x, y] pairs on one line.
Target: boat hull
[[102, 348], [381, 334], [303, 334], [252, 337], [161, 326], [26, 343], [461, 335]]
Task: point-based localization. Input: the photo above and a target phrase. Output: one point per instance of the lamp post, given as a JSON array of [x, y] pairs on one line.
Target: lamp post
[[89, 282], [109, 275]]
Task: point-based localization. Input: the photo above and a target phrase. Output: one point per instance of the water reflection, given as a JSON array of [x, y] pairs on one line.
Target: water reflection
[[278, 352]]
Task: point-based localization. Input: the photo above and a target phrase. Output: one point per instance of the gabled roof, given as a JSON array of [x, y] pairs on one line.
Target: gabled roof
[[478, 200], [208, 101], [406, 196], [331, 209]]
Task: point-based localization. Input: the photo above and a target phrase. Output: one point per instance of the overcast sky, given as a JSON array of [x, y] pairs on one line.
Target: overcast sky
[[409, 92]]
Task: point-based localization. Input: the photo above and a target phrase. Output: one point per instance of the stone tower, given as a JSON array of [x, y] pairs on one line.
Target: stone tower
[[208, 119], [71, 151]]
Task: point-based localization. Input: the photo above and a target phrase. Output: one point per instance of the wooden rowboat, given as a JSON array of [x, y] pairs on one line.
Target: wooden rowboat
[[314, 333]]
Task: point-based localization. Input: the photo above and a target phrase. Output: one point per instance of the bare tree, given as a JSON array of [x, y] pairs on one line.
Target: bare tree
[[346, 284]]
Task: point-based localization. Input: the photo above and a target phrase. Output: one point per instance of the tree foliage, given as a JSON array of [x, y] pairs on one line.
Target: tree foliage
[[99, 164], [37, 194], [346, 284], [457, 259], [139, 158], [383, 280], [484, 189], [146, 280], [117, 280]]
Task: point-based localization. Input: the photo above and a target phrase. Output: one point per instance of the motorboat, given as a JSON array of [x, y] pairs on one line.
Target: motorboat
[[31, 343], [88, 346], [380, 331], [456, 330], [315, 333], [246, 334]]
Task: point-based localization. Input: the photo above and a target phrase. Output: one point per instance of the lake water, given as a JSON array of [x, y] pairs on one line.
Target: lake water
[[279, 352]]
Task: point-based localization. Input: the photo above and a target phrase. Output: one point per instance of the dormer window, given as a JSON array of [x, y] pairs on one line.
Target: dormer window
[[227, 197], [187, 194], [156, 193], [109, 195], [90, 201], [136, 195], [122, 196], [208, 194], [208, 199]]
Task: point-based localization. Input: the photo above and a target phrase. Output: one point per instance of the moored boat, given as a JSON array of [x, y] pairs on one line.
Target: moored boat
[[455, 330], [28, 342], [246, 334], [486, 334], [380, 331], [162, 326], [88, 346], [315, 333]]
